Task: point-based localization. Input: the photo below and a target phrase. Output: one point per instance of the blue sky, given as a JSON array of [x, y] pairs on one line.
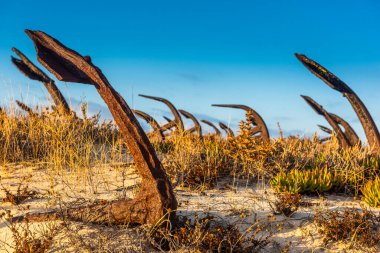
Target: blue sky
[[196, 53]]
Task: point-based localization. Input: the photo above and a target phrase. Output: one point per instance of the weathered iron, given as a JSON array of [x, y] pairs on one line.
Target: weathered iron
[[33, 72], [196, 128], [260, 130], [218, 134], [156, 133], [369, 126], [26, 108], [155, 198], [177, 122], [343, 141], [228, 130]]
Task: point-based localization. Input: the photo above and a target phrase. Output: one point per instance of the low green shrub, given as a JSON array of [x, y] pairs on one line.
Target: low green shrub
[[371, 192], [308, 181]]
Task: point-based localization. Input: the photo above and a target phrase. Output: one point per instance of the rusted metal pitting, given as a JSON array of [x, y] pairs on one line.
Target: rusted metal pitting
[[177, 122], [197, 127], [228, 130], [156, 133], [343, 141], [155, 198], [218, 134], [360, 109], [260, 130], [33, 72]]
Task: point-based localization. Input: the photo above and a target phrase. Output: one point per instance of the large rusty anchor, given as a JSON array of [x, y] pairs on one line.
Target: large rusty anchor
[[196, 128], [155, 198], [177, 122], [369, 126], [260, 130], [33, 72], [217, 134]]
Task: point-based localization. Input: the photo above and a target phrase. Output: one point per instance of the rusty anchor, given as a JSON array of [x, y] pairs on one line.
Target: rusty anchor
[[228, 130], [156, 133], [218, 134], [260, 130], [342, 138], [155, 198], [196, 128], [177, 122], [369, 126]]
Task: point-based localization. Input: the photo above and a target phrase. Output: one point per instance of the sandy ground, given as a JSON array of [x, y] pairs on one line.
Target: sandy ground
[[240, 204]]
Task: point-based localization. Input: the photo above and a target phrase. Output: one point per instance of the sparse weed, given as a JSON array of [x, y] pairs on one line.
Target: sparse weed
[[349, 225], [286, 203], [210, 234], [28, 240]]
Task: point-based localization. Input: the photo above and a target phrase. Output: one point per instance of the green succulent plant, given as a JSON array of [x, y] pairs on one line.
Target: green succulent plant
[[316, 180], [371, 192]]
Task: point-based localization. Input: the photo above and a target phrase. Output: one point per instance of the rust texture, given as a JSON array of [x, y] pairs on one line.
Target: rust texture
[[26, 108], [155, 198], [177, 122], [196, 128], [343, 141], [33, 72], [218, 134], [228, 130], [369, 126], [260, 130], [156, 133]]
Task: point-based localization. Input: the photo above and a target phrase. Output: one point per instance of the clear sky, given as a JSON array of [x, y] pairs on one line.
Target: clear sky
[[200, 52]]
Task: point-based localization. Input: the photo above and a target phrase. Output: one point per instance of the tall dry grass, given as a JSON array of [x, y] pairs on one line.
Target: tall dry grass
[[74, 144]]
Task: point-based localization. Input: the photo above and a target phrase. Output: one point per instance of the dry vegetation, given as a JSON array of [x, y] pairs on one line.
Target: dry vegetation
[[72, 160]]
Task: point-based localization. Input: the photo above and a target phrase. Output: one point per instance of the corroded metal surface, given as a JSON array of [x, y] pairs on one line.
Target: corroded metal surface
[[260, 130], [217, 131], [33, 72], [156, 133], [177, 122], [196, 128], [155, 197], [362, 112], [343, 141], [228, 130]]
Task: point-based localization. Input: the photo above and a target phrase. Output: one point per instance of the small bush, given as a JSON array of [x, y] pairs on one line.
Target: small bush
[[349, 225], [286, 203], [210, 234], [27, 241]]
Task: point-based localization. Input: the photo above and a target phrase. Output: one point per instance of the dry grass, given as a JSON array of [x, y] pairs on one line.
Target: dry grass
[[81, 147]]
